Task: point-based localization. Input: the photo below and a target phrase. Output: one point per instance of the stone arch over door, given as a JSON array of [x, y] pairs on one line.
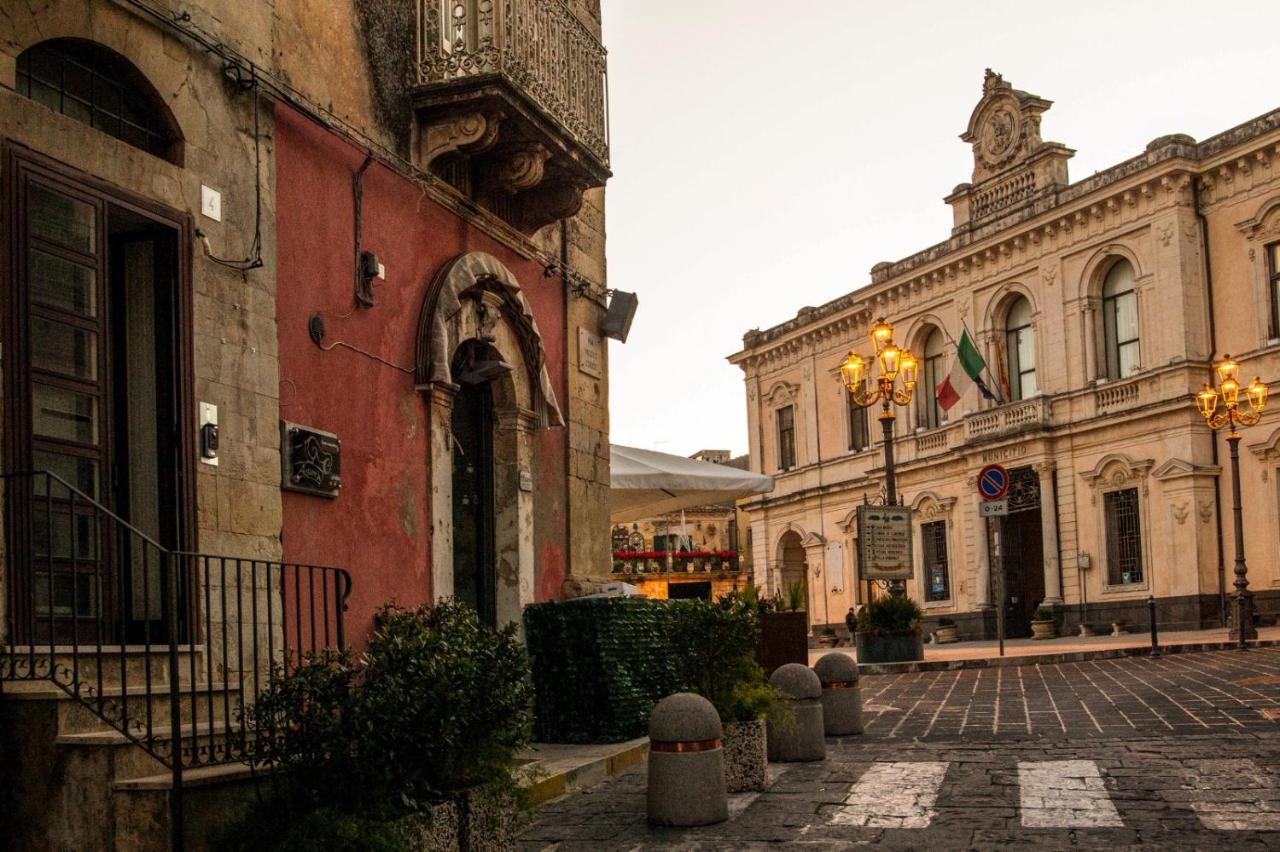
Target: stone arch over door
[[474, 297], [792, 565]]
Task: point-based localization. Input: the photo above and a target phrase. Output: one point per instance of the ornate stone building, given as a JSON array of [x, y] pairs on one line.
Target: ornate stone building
[[302, 313], [1104, 300]]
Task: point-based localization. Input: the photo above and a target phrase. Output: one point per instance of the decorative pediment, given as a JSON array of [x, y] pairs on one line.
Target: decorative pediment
[[1269, 448], [782, 393], [1118, 470], [813, 540], [1179, 468], [1266, 222], [928, 506]]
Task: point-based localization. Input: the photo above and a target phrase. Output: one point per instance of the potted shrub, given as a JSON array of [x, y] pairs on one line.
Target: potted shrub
[[1042, 624], [412, 747], [889, 631], [712, 646], [947, 631], [784, 630]]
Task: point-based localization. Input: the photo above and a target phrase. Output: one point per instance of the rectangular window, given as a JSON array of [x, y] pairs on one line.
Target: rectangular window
[[937, 579], [1124, 537], [859, 430], [1120, 314], [786, 438], [1273, 279]]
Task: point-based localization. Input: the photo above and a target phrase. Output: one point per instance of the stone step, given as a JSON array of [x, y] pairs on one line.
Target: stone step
[[20, 663], [120, 757], [213, 797], [81, 715]]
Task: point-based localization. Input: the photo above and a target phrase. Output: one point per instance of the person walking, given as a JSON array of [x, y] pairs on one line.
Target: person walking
[[851, 623]]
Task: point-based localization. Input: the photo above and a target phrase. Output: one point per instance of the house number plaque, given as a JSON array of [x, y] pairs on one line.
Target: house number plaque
[[312, 460]]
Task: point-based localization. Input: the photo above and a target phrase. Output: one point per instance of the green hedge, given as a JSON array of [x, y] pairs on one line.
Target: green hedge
[[599, 665]]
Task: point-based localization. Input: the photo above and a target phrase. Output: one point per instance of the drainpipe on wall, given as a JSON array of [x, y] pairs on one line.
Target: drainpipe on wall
[[1213, 348], [568, 401], [1057, 527]]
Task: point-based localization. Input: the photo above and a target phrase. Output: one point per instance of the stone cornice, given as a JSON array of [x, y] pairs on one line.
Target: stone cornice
[[1160, 176]]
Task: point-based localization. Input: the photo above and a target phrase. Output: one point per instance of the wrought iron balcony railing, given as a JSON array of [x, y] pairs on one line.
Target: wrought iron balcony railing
[[539, 47]]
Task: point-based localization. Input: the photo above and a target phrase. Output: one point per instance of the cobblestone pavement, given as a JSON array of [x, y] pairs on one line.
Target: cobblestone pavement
[[1178, 752]]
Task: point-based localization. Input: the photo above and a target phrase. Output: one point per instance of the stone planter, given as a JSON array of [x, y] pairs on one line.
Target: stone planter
[[745, 756], [890, 646], [946, 635], [784, 638], [1044, 629], [488, 820]]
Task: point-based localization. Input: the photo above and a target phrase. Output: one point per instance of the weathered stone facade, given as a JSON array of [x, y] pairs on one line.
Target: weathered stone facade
[[1192, 221]]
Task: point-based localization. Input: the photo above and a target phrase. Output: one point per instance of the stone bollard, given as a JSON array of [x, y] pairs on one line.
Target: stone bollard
[[801, 738], [841, 695], [686, 763]]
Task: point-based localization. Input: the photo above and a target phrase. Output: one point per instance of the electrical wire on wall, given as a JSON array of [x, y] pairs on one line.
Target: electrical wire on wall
[[183, 24], [254, 259]]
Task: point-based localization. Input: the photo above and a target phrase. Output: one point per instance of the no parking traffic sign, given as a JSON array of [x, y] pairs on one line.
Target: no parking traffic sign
[[993, 482]]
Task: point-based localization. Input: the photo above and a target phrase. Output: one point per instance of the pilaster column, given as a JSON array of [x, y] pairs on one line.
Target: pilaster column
[[1090, 337], [440, 396], [1049, 534], [983, 592]]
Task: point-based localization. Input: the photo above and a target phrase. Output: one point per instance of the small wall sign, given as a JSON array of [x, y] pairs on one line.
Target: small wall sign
[[312, 460], [526, 480], [589, 358]]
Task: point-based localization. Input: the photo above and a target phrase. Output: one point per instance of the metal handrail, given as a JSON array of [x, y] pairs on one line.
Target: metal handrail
[[80, 572]]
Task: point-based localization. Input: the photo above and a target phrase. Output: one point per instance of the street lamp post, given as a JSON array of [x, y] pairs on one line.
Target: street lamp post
[[895, 365], [1227, 398]]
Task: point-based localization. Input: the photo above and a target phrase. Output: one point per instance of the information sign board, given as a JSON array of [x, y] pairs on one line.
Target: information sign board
[[884, 543]]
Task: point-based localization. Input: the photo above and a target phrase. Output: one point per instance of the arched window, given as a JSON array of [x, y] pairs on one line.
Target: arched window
[[1020, 344], [1120, 321], [100, 88], [935, 371]]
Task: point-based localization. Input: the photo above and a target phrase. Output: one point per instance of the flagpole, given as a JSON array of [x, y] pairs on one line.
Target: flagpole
[[985, 365]]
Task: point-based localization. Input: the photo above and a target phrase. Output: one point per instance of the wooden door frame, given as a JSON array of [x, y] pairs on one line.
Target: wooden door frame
[[16, 162]]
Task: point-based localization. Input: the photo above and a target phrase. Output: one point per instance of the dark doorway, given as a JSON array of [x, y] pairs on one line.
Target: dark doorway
[[685, 591], [1023, 561], [474, 534], [97, 316]]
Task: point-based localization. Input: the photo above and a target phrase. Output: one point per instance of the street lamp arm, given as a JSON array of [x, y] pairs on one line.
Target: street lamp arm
[[902, 396], [865, 398]]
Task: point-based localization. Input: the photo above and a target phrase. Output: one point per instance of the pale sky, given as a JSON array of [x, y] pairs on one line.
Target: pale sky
[[767, 154]]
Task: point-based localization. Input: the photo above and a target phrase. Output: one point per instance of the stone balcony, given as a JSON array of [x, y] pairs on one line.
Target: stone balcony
[[1011, 419], [510, 104]]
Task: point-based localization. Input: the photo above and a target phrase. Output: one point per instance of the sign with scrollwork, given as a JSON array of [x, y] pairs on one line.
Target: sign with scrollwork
[[311, 459], [884, 543]]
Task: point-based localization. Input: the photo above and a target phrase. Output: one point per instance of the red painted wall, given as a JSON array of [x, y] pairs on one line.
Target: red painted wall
[[378, 528]]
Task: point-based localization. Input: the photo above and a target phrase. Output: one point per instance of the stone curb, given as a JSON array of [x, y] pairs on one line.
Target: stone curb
[[543, 788], [1049, 659]]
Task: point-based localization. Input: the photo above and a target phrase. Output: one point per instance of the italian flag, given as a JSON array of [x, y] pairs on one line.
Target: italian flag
[[968, 363]]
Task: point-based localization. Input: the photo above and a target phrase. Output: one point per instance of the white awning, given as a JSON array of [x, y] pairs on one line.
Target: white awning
[[644, 483]]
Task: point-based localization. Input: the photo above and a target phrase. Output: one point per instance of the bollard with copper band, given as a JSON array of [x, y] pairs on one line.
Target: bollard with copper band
[[800, 738], [841, 695], [686, 763]]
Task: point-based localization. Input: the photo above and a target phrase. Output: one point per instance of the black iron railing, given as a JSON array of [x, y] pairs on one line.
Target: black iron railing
[[169, 648]]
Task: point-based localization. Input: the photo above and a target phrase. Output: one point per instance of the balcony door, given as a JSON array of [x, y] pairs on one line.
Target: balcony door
[[97, 395]]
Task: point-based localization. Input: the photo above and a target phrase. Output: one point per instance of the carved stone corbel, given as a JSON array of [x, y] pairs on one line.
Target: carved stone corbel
[[466, 133]]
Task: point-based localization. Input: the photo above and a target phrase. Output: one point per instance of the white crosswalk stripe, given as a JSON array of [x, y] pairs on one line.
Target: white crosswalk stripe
[[1065, 794], [893, 795], [1235, 795]]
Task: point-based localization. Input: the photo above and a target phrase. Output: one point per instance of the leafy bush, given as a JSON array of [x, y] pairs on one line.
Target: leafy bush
[[794, 600], [713, 652], [445, 704], [887, 614], [437, 705], [306, 720], [1042, 613]]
